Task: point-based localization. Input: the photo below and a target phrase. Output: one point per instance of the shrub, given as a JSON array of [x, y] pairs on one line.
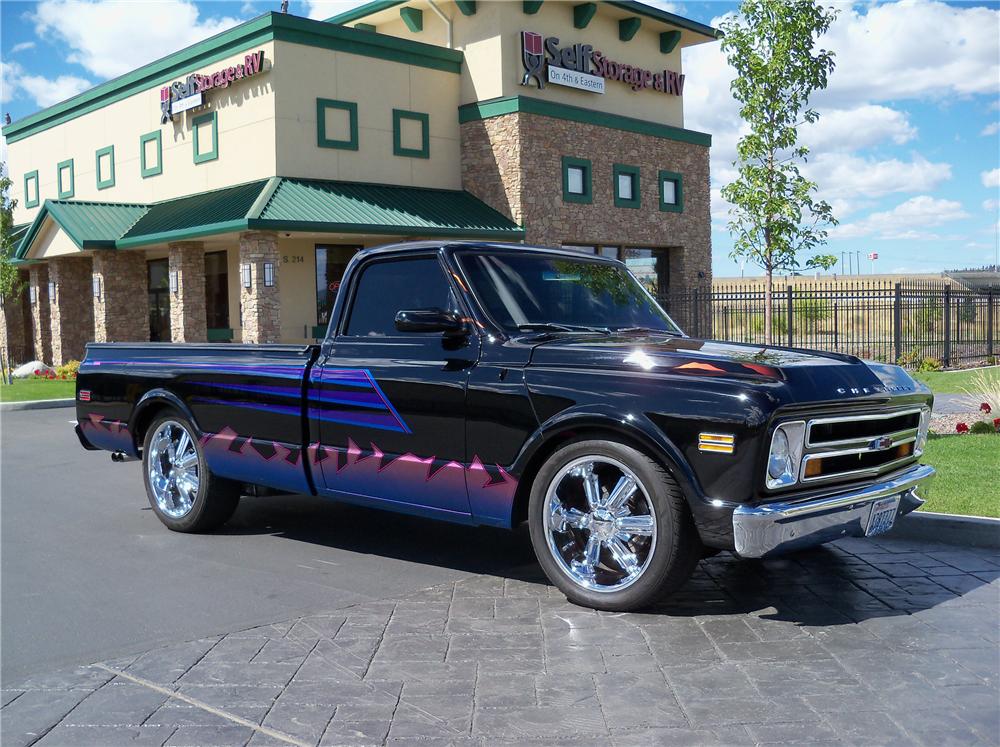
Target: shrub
[[68, 370], [981, 426], [929, 363], [811, 309]]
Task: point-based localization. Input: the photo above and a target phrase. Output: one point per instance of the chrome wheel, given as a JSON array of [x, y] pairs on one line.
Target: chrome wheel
[[600, 524], [172, 469]]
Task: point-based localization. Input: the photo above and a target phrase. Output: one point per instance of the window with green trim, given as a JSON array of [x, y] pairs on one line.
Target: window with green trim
[[105, 167], [626, 183], [151, 154], [411, 134], [671, 192], [576, 180], [336, 124], [66, 179], [31, 196], [206, 137]]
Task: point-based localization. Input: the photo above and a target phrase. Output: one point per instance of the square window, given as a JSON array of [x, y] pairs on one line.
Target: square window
[[31, 197], [671, 192], [150, 154], [65, 179], [105, 165], [576, 182], [206, 137], [336, 124], [626, 184], [410, 134]]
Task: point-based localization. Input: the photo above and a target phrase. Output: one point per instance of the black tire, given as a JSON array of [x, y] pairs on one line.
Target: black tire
[[215, 499], [675, 553]]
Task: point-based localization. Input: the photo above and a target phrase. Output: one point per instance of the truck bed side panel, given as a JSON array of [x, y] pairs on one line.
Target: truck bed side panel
[[246, 400]]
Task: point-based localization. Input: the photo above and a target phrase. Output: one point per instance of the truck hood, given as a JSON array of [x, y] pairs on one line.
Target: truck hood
[[810, 375]]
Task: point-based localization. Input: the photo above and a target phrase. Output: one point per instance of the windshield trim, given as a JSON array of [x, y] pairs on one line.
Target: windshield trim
[[459, 253]]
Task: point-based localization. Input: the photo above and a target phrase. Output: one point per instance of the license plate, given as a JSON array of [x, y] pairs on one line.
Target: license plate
[[883, 516]]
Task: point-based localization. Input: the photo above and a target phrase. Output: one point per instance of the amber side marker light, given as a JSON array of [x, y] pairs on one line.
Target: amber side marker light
[[721, 443]]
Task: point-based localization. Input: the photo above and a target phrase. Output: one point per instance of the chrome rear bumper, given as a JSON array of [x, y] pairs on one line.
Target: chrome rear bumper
[[772, 528]]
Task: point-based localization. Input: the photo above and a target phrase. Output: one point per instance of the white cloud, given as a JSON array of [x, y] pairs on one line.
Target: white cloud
[[323, 9], [908, 220], [848, 176], [22, 47], [109, 38], [991, 178], [9, 74], [859, 127], [990, 129], [47, 92], [991, 205]]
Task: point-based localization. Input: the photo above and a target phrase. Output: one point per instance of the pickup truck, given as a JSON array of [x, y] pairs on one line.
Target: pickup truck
[[493, 384]]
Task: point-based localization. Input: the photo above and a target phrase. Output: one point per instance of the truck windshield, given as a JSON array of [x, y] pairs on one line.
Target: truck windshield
[[529, 291]]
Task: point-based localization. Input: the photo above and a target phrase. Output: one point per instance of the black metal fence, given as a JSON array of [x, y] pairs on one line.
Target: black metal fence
[[902, 322]]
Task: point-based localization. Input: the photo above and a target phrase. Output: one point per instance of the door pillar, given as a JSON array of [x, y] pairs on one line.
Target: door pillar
[[187, 303], [260, 305], [38, 284], [121, 310], [71, 310]]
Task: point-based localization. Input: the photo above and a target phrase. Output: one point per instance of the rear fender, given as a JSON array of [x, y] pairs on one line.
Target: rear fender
[[145, 409]]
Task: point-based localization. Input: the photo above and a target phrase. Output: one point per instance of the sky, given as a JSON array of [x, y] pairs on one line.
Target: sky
[[906, 150]]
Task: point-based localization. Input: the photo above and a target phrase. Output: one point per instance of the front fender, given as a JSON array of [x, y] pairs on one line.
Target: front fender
[[155, 398]]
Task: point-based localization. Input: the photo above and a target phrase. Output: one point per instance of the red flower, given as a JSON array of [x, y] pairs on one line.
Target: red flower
[[996, 423], [38, 372], [985, 407], [962, 428]]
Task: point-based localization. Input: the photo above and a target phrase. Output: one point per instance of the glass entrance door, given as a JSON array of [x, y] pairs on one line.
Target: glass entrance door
[[158, 275]]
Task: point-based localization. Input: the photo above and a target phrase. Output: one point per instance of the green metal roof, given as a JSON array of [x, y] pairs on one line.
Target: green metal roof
[[277, 204]]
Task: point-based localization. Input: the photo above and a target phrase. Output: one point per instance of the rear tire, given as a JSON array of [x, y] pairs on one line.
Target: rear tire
[[182, 491], [610, 527]]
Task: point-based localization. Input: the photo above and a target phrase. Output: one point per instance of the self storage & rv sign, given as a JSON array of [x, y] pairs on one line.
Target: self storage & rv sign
[[180, 96], [581, 66]]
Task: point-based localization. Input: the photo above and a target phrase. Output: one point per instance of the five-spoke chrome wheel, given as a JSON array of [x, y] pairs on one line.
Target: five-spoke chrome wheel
[[172, 466], [600, 524]]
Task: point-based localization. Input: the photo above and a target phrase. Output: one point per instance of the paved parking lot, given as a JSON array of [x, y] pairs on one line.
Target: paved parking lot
[[862, 642]]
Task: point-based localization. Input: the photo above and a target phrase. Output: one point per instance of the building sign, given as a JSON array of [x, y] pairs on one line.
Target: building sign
[[180, 96], [581, 66]]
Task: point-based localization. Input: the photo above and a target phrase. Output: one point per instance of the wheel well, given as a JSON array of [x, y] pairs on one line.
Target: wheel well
[[145, 418], [519, 513]]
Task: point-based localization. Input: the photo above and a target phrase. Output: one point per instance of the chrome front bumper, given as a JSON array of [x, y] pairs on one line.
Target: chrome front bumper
[[773, 528]]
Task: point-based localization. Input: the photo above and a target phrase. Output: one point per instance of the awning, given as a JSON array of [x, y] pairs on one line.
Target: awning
[[278, 204]]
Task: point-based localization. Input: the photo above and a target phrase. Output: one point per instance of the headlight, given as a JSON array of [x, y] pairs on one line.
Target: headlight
[[785, 455], [922, 429]]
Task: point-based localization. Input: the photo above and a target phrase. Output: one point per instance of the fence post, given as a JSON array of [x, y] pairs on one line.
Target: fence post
[[695, 309], [789, 294], [989, 324], [897, 323], [947, 324]]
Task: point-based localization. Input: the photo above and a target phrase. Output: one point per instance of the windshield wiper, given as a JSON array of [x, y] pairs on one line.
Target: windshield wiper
[[629, 330], [553, 327]]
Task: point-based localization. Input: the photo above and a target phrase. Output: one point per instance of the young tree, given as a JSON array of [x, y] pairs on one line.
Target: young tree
[[8, 273], [774, 217]]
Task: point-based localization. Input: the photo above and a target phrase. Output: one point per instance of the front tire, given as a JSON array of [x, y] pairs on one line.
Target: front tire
[[182, 491], [610, 526]]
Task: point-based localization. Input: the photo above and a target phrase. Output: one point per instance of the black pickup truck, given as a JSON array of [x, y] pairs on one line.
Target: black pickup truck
[[495, 384]]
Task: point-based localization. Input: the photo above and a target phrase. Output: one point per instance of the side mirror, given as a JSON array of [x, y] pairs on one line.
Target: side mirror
[[430, 320]]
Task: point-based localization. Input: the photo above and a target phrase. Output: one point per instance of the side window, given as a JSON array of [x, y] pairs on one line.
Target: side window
[[393, 285]]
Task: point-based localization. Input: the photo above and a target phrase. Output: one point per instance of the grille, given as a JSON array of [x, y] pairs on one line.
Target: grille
[[858, 445]]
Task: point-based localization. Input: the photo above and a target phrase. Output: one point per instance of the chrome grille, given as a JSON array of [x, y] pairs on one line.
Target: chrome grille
[[858, 445]]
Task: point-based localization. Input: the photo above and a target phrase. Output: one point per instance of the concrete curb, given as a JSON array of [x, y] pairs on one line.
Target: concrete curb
[[37, 404], [952, 529]]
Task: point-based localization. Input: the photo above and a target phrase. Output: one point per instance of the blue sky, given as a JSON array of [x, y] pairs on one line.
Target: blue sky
[[907, 148]]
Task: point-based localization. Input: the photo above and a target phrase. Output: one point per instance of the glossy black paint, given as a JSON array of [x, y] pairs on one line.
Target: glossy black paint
[[454, 426]]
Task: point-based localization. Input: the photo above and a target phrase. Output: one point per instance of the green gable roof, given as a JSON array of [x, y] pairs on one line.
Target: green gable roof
[[277, 204]]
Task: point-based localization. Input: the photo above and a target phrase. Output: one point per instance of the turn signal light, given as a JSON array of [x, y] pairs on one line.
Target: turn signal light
[[722, 443]]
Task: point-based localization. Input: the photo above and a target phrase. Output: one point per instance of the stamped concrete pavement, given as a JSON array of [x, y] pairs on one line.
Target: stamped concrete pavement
[[861, 642]]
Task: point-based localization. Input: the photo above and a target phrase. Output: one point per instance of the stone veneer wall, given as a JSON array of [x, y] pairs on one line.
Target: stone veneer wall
[[187, 305], [121, 314], [15, 319], [260, 306], [38, 278], [72, 310], [514, 163]]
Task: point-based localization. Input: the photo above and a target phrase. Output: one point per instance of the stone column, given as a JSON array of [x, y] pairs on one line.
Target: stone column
[[187, 305], [38, 283], [259, 304], [72, 311], [121, 314]]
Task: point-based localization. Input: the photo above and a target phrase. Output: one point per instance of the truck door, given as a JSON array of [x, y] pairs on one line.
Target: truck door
[[389, 406]]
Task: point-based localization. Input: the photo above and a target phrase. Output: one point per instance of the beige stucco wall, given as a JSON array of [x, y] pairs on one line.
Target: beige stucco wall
[[491, 42], [246, 151], [302, 74], [52, 241]]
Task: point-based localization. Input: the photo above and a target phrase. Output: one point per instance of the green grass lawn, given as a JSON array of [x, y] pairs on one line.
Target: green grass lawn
[[967, 478], [23, 390], [952, 382]]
